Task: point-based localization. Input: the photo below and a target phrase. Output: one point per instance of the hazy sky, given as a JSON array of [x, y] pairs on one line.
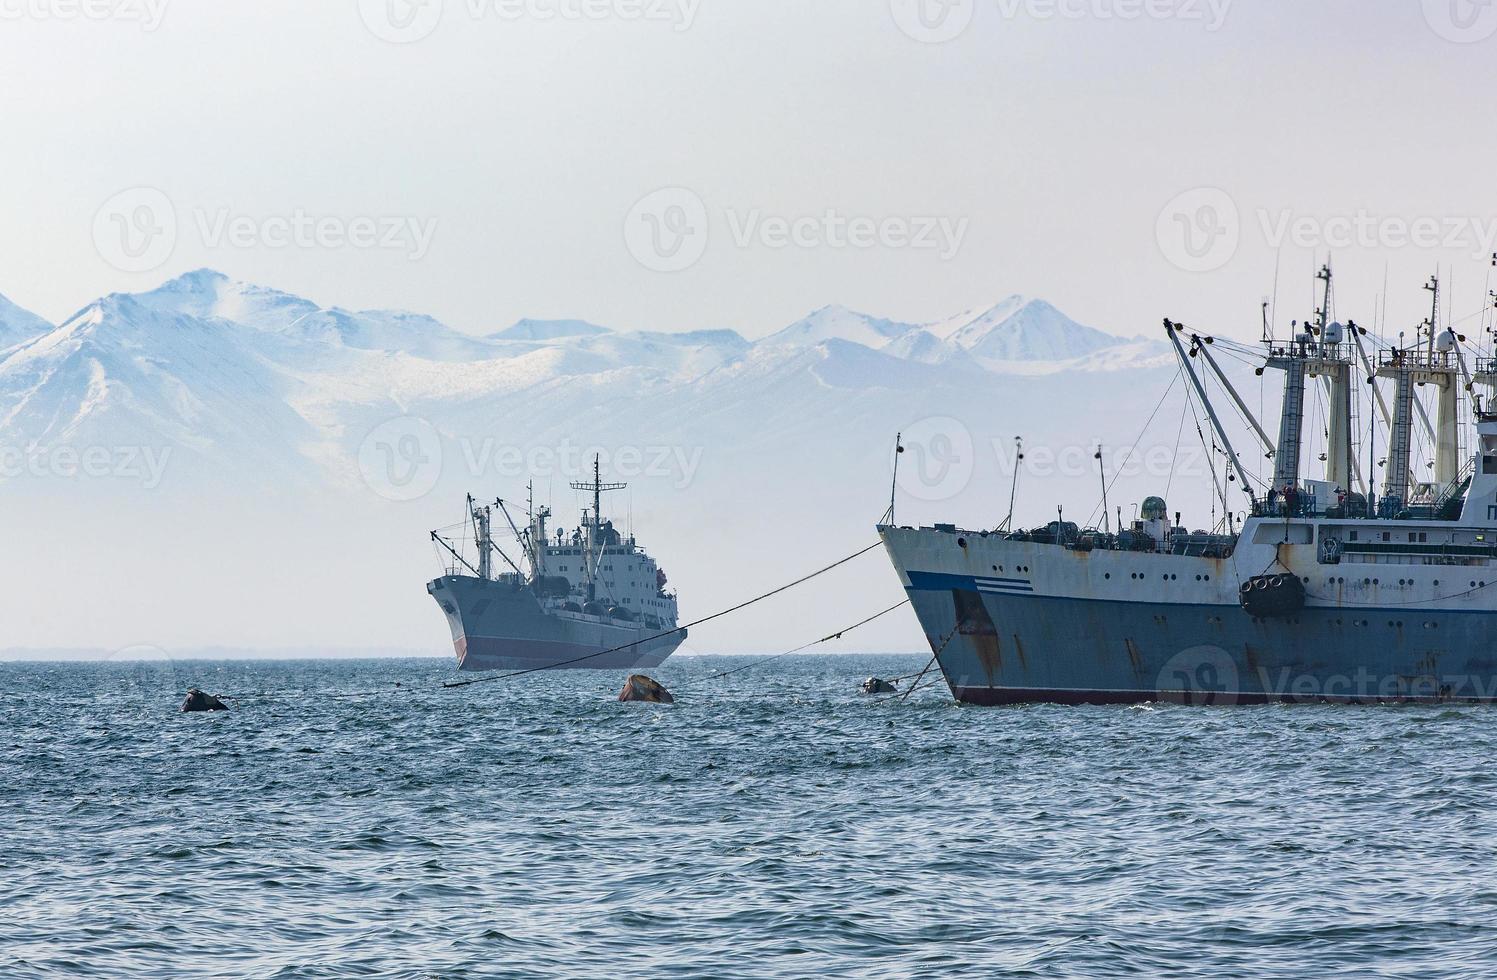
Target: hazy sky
[[483, 160]]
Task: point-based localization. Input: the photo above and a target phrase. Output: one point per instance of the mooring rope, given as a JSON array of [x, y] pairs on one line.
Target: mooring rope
[[825, 639], [679, 629]]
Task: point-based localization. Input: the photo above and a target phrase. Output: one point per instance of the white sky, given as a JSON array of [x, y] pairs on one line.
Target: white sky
[[1057, 138]]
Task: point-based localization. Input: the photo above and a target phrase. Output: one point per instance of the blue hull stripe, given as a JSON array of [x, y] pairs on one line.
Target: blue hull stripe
[[943, 582]]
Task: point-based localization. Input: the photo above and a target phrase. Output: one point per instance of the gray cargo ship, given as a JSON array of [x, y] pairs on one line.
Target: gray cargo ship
[[1323, 591], [588, 598]]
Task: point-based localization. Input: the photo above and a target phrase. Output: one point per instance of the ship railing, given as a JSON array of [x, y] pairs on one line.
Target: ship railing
[[1416, 359]]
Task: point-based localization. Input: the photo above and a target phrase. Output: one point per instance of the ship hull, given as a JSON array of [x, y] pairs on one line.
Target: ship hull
[[1160, 630], [496, 626]]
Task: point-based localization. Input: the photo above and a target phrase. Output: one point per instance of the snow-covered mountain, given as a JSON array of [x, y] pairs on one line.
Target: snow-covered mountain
[[1023, 329], [17, 324], [839, 323], [285, 427], [548, 330]]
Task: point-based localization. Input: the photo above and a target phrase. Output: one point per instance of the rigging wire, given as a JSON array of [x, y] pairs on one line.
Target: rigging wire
[[1179, 372], [825, 639]]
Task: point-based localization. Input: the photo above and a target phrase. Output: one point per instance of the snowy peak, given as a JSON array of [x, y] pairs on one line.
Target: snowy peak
[[1023, 329], [924, 347], [839, 323], [546, 330], [208, 295], [18, 325]]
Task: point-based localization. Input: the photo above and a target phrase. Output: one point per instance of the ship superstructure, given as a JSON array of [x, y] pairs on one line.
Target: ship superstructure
[[1333, 589], [590, 597]]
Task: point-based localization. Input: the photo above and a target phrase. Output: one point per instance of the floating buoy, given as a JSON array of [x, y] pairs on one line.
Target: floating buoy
[[198, 701], [641, 688], [876, 685]]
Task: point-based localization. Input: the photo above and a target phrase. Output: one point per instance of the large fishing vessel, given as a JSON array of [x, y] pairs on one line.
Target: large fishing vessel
[[586, 598], [1322, 590]]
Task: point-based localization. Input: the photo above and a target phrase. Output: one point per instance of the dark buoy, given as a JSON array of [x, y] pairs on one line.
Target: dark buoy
[[198, 701], [876, 685], [641, 688]]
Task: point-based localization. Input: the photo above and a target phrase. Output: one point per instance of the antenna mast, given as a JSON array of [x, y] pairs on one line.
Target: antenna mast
[[1013, 489], [593, 542], [1433, 323]]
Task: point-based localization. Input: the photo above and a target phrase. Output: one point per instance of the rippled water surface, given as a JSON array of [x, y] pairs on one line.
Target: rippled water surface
[[773, 823]]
